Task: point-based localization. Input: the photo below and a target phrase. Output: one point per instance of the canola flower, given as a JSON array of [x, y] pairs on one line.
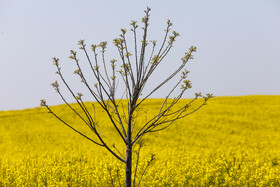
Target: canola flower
[[233, 141]]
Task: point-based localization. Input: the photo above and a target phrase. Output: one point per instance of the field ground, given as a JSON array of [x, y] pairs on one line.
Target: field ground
[[233, 141]]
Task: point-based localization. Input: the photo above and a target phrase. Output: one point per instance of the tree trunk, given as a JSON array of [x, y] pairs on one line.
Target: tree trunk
[[128, 163]]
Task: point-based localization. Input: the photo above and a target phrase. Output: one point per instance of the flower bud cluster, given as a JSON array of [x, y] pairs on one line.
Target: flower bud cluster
[[188, 55], [155, 59], [198, 94], [128, 54], [78, 72], [126, 67], [123, 31], [113, 77], [145, 42], [43, 102], [79, 96], [82, 44], [208, 96], [93, 47], [118, 42], [122, 72], [55, 86], [113, 65], [73, 55], [145, 19], [185, 73], [187, 84], [96, 68], [172, 38], [192, 49], [103, 45], [56, 61], [134, 25], [169, 24]]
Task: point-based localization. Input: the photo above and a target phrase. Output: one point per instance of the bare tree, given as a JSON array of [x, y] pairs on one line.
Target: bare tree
[[134, 73]]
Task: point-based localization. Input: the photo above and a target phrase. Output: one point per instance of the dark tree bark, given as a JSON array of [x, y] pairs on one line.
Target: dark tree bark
[[128, 168]]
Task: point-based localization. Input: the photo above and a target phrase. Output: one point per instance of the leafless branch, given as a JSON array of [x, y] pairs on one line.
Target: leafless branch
[[134, 73]]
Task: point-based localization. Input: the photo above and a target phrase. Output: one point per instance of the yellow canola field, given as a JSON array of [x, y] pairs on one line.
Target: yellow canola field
[[232, 141]]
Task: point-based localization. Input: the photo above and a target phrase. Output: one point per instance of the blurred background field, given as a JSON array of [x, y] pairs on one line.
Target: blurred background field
[[233, 141]]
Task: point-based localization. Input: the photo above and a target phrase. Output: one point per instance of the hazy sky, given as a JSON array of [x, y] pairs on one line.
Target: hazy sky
[[238, 43]]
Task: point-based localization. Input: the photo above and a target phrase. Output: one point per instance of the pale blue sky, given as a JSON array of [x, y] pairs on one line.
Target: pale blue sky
[[238, 43]]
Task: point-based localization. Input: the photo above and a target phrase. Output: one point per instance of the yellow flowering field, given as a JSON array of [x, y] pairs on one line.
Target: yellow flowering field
[[232, 141]]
